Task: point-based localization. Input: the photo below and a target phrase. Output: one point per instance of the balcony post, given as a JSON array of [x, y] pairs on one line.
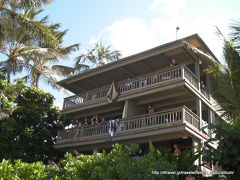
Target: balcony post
[[199, 111], [81, 133], [183, 72], [197, 72], [208, 85], [210, 119], [183, 115]]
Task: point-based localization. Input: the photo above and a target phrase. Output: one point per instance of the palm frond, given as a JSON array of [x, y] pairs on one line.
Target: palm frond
[[63, 70], [69, 71], [226, 82], [28, 3], [45, 33], [235, 34]]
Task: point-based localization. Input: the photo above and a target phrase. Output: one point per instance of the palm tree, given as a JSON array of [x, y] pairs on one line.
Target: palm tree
[[40, 63], [227, 80], [14, 8], [226, 90], [40, 66], [99, 55], [18, 41]]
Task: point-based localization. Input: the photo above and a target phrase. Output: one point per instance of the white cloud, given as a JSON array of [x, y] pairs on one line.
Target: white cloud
[[133, 35], [130, 36], [166, 30], [169, 7], [93, 41]]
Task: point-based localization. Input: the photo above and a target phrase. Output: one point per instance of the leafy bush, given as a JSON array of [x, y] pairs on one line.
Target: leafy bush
[[28, 123], [118, 164], [227, 154]]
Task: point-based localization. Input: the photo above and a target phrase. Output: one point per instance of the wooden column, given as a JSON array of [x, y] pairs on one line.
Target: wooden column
[[197, 72], [130, 109], [199, 111]]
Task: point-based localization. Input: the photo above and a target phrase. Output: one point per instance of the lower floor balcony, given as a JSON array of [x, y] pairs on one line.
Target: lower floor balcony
[[157, 126]]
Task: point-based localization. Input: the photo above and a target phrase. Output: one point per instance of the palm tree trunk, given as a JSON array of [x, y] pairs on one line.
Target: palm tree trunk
[[8, 77], [37, 80]]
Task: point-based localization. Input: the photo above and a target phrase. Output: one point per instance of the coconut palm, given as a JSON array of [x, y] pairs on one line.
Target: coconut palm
[[227, 80], [14, 8], [18, 41], [99, 55], [40, 63], [40, 66]]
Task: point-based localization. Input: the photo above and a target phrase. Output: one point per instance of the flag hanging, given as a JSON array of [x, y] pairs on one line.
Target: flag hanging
[[112, 93]]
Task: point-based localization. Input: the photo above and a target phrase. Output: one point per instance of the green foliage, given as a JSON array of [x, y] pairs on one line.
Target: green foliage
[[118, 164], [25, 50], [226, 81], [227, 154], [29, 131], [227, 92], [13, 9]]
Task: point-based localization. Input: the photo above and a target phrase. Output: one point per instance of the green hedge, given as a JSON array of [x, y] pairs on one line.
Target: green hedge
[[118, 164]]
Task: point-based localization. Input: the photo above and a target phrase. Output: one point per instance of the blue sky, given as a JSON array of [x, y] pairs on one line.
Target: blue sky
[[132, 26]]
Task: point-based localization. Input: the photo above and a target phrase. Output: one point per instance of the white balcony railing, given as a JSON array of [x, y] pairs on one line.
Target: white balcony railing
[[157, 119]]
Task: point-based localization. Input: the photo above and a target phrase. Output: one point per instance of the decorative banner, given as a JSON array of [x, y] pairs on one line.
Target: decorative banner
[[112, 93]]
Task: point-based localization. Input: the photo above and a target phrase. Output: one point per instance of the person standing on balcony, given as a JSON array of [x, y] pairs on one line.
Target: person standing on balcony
[[150, 109], [76, 153], [78, 123], [173, 63], [92, 121], [103, 121], [177, 150], [128, 85], [151, 120], [95, 152], [97, 121]]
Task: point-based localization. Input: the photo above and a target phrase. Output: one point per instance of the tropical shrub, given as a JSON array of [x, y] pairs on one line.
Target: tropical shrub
[[118, 164], [29, 123]]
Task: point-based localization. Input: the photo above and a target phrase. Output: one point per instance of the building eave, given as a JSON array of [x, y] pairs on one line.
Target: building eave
[[131, 59]]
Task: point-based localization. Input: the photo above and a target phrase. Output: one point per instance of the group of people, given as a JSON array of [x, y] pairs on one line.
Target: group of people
[[95, 120]]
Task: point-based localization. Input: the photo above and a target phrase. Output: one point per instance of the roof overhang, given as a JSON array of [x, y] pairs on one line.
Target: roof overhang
[[138, 64]]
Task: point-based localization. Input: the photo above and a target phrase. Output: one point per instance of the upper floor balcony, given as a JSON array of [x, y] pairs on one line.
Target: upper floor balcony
[[162, 78]]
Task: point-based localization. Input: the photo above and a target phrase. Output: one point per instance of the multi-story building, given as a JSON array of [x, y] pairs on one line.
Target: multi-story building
[[169, 79]]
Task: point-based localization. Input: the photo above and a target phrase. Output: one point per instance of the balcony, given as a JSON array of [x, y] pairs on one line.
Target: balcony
[[138, 126], [166, 76]]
